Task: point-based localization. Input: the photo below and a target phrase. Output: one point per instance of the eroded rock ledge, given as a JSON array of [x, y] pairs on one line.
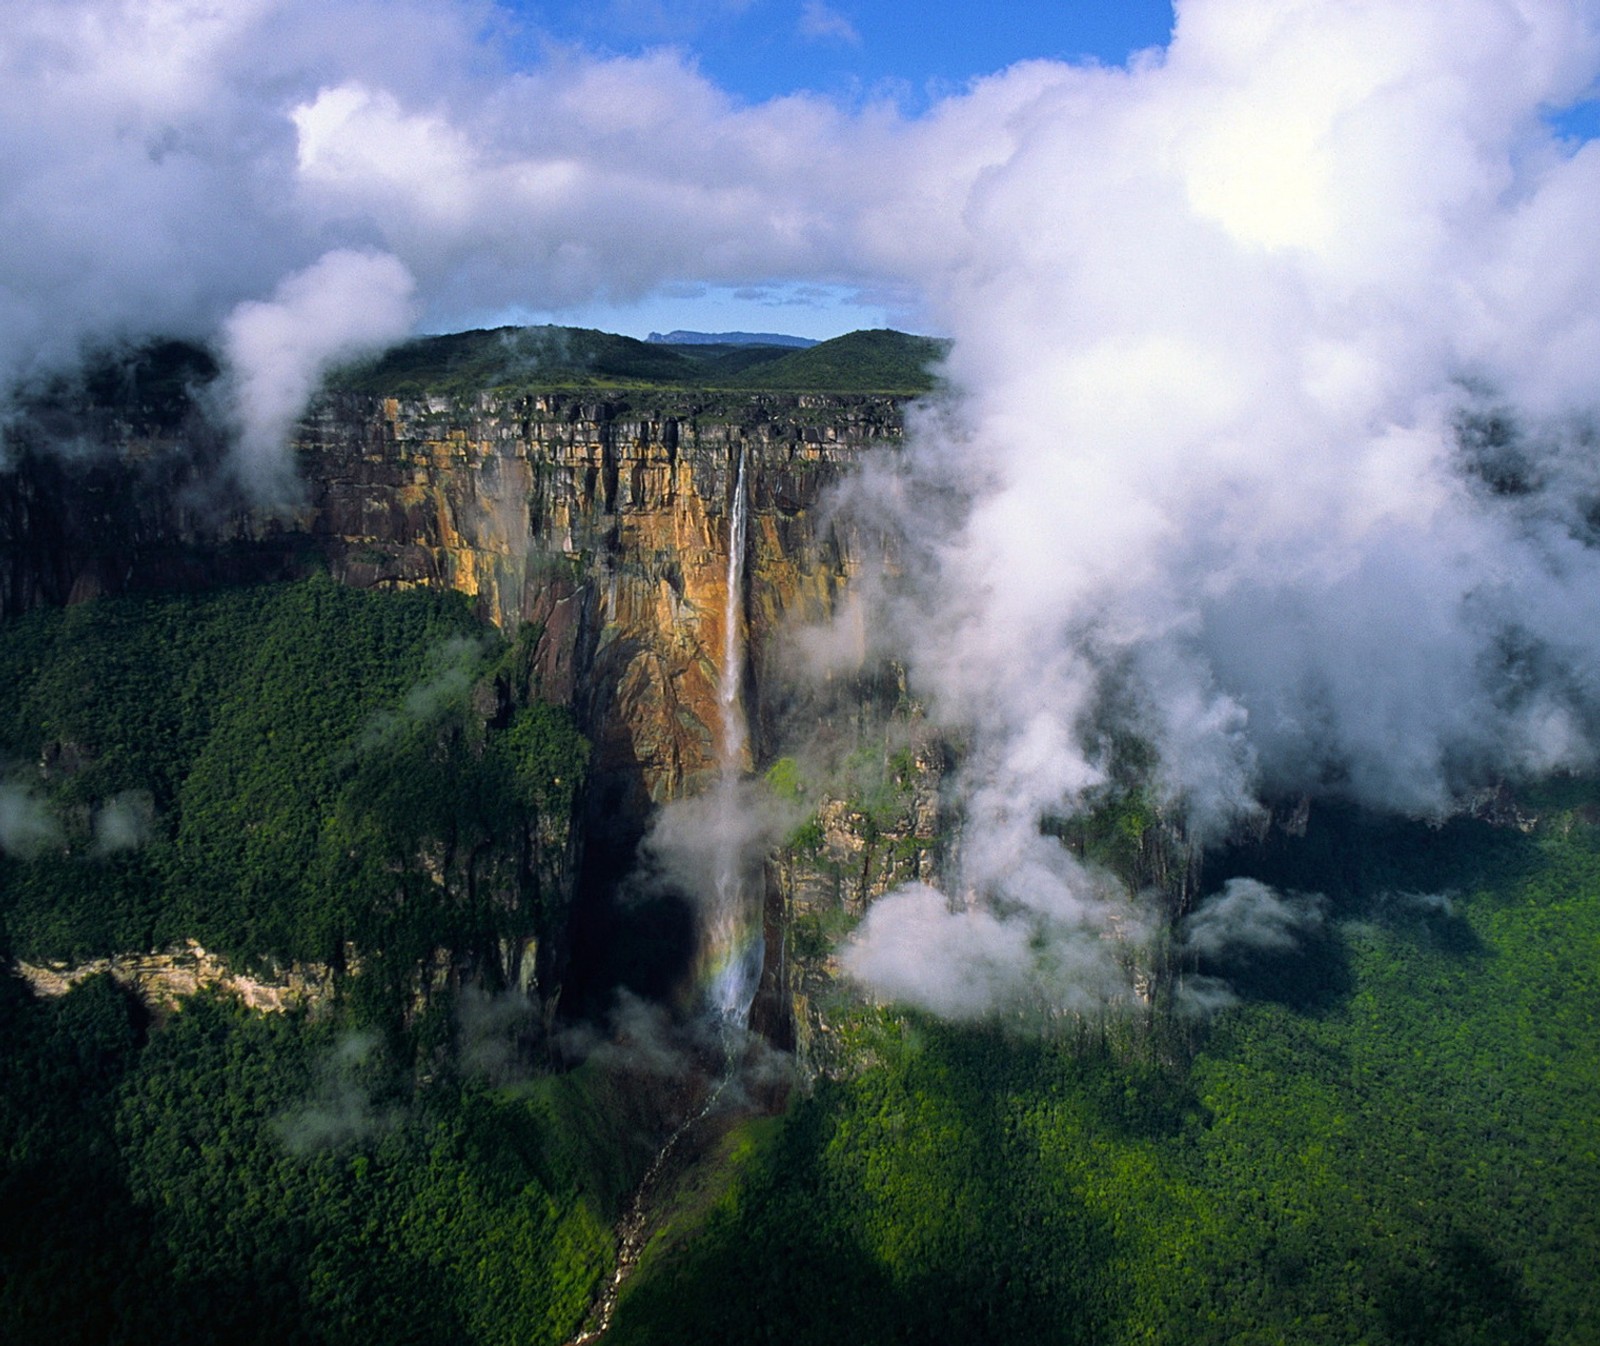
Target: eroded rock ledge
[[163, 979]]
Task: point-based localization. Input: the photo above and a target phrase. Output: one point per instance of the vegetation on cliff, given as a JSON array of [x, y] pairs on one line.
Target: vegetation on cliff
[[882, 361], [295, 771]]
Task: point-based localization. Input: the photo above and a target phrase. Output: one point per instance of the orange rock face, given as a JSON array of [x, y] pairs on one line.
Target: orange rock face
[[603, 525]]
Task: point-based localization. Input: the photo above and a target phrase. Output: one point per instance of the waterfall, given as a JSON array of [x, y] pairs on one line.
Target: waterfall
[[733, 930], [731, 938], [735, 732]]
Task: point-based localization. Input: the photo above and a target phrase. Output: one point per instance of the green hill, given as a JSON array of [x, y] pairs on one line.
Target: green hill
[[153, 385], [882, 361], [472, 362], [577, 357]]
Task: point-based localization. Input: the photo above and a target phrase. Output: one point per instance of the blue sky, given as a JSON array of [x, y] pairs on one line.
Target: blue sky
[[849, 49], [815, 311]]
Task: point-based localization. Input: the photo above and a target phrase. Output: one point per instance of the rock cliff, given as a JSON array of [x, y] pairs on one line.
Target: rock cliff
[[164, 979], [603, 526], [598, 528], [592, 528]]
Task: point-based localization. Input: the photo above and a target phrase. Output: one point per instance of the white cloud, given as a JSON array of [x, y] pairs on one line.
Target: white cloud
[[345, 304], [357, 144], [1248, 916], [1216, 318], [914, 950], [821, 22]]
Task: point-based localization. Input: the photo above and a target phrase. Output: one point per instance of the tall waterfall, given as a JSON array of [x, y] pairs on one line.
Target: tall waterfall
[[729, 965], [733, 924], [735, 731]]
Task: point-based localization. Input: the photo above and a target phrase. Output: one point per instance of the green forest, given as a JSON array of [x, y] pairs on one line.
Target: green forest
[[1396, 1143], [1391, 1138], [278, 756], [290, 772]]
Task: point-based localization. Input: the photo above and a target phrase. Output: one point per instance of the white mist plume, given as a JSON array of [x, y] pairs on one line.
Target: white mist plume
[[344, 305], [1276, 363], [489, 1030], [708, 1063], [1249, 916], [27, 825], [452, 667], [708, 849], [642, 1040], [340, 1110], [1066, 949], [1419, 904], [124, 822]]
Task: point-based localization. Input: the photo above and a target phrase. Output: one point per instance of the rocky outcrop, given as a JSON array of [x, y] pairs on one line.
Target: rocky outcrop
[[163, 979]]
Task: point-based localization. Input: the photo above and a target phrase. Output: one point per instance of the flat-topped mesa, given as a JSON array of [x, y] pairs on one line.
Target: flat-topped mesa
[[603, 526]]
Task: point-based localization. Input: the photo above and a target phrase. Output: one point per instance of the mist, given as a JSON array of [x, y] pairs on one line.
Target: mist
[[344, 305], [27, 825], [340, 1110], [125, 822], [1270, 451], [707, 850]]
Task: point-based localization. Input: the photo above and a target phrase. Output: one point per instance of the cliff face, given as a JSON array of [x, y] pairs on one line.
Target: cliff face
[[600, 524], [600, 531], [593, 529], [603, 527]]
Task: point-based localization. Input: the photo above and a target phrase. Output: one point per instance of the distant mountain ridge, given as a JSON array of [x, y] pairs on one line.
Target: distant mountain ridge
[[682, 338], [881, 361]]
